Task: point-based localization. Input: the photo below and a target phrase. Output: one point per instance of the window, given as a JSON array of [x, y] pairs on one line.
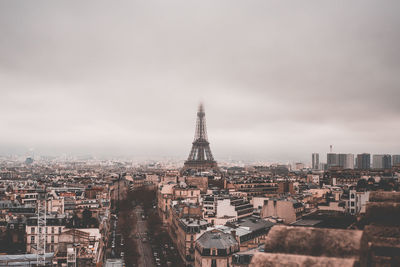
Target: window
[[52, 239], [352, 203], [213, 263], [32, 230], [32, 239], [52, 230], [40, 230], [59, 230]]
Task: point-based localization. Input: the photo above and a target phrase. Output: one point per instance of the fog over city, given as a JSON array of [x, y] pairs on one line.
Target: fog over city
[[278, 80]]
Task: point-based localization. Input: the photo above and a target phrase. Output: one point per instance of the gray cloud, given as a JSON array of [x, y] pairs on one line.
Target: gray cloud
[[279, 80]]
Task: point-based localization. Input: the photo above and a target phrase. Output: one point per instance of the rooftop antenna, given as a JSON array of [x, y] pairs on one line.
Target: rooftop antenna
[[330, 147]]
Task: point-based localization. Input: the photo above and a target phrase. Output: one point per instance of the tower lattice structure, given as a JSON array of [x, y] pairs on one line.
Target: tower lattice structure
[[200, 157]]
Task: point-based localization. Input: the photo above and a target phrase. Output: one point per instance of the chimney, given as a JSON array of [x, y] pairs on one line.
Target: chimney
[[233, 233]]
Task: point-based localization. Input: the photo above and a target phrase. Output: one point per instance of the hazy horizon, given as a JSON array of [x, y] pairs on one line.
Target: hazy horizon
[[279, 81]]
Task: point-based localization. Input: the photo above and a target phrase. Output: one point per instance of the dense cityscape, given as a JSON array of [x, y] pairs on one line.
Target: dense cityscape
[[207, 133], [118, 213]]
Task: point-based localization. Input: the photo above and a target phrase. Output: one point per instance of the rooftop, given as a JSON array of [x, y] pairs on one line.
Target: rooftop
[[313, 241], [253, 224], [193, 222], [216, 239], [278, 259], [305, 222]]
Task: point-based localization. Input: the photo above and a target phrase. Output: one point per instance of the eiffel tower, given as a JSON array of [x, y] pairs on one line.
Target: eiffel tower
[[200, 157]]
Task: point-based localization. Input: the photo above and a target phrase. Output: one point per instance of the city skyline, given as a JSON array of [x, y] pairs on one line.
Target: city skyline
[[206, 133], [95, 78]]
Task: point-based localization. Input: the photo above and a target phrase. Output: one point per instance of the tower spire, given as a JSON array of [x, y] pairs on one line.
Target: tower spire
[[201, 131]]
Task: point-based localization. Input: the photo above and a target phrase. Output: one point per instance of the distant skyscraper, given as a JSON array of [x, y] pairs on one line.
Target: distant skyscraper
[[396, 160], [332, 160], [382, 161], [377, 161], [346, 161], [364, 161], [387, 161], [315, 161], [323, 166], [350, 161]]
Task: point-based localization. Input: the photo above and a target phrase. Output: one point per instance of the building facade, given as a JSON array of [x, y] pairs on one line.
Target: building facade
[[346, 161], [364, 161], [332, 160], [215, 249], [315, 161], [382, 161]]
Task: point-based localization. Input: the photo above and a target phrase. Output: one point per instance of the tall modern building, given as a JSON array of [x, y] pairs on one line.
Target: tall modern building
[[382, 161], [395, 160], [346, 161], [387, 161], [377, 161], [364, 161], [332, 160], [315, 161], [323, 166], [200, 157]]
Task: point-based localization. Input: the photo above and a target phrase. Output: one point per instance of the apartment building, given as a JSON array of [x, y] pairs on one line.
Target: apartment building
[[215, 249], [55, 224], [220, 209]]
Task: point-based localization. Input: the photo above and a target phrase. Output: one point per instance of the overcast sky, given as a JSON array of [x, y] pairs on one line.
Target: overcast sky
[[278, 79]]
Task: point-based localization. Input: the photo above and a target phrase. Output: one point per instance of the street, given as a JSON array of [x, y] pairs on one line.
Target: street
[[140, 231]]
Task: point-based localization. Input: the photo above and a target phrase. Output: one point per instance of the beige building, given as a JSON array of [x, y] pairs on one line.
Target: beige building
[[188, 230], [200, 182], [85, 243], [287, 210], [54, 228], [215, 249]]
